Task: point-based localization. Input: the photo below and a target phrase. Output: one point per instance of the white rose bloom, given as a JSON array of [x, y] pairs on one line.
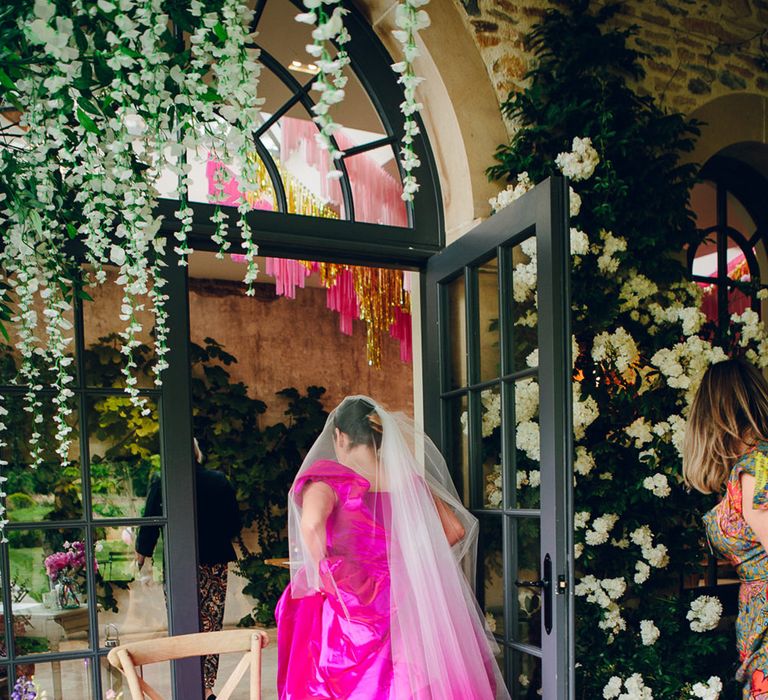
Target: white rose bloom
[[658, 485], [705, 613], [581, 519], [618, 348], [526, 400], [642, 572], [578, 550], [708, 691], [584, 462], [528, 439], [512, 192], [606, 262], [534, 478], [580, 162], [649, 633], [601, 528], [612, 688], [640, 432], [579, 242], [636, 291]]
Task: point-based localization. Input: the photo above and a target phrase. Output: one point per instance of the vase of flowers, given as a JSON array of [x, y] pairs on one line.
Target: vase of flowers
[[66, 571]]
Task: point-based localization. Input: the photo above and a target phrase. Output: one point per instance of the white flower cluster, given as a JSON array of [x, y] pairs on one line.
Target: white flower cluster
[[617, 348], [410, 20], [494, 487], [579, 244], [526, 400], [607, 262], [707, 691], [752, 333], [640, 431], [604, 593], [331, 80], [705, 613], [584, 462], [601, 528], [529, 439], [511, 193], [649, 633], [691, 318], [642, 572], [636, 291], [634, 688], [580, 162], [585, 411], [658, 485], [655, 555], [684, 364]]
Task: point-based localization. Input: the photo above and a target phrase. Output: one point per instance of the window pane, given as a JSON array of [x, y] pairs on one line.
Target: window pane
[[102, 325], [738, 266], [704, 204], [527, 443], [61, 680], [705, 260], [526, 677], [455, 314], [491, 559], [125, 456], [488, 302], [50, 590], [738, 217], [490, 400], [52, 491], [375, 180], [524, 315], [132, 602], [458, 455], [527, 553]]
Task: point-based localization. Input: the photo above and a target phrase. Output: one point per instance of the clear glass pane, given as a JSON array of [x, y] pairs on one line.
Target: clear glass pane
[[157, 675], [375, 180], [705, 259], [52, 491], [457, 332], [60, 680], [738, 217], [50, 590], [738, 266], [527, 443], [491, 558], [704, 204], [132, 602], [125, 456], [101, 326], [490, 400], [738, 302], [527, 553], [458, 411], [488, 302], [525, 309], [526, 677]]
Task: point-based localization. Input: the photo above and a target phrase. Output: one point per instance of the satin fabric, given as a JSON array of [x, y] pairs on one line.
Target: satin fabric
[[337, 644]]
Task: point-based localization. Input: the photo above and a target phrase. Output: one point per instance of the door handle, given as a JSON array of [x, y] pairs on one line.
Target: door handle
[[545, 584]]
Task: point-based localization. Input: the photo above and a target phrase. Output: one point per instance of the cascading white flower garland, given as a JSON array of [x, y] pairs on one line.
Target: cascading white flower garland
[[410, 20], [331, 81], [104, 144]]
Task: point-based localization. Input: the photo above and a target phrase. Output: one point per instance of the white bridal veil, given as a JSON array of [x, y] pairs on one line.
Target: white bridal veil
[[440, 642]]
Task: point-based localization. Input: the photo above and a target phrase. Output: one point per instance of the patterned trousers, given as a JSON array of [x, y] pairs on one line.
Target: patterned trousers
[[213, 592]]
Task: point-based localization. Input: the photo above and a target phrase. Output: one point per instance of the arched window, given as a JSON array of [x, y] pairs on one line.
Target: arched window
[[731, 262]]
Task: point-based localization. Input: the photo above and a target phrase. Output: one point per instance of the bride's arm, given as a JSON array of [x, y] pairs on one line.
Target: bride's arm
[[318, 500], [454, 530]]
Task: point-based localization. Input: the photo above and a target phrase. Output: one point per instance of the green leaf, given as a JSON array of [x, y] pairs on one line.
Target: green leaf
[[220, 31], [6, 81], [88, 106], [86, 122], [71, 230]]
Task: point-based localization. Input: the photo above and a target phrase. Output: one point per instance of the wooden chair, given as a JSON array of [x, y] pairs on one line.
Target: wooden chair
[[132, 656]]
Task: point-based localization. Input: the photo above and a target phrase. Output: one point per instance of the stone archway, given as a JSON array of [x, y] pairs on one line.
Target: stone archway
[[461, 110]]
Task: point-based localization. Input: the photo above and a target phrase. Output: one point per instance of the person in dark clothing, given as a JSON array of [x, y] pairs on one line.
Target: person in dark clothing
[[218, 523]]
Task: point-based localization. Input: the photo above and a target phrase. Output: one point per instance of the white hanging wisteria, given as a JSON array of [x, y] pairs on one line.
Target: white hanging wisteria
[[410, 20], [331, 81], [110, 97]]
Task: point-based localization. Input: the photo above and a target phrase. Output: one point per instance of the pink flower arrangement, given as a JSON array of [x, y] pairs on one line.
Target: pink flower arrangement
[[69, 562]]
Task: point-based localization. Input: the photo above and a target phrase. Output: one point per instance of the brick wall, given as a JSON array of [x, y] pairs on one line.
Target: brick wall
[[698, 49]]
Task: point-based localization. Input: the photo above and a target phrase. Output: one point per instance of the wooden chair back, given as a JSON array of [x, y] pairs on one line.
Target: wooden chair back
[[134, 655]]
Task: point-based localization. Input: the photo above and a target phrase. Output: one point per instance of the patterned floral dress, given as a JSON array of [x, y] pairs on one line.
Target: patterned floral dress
[[734, 539]]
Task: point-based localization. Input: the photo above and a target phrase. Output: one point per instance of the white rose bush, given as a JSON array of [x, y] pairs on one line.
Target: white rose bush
[[641, 346]]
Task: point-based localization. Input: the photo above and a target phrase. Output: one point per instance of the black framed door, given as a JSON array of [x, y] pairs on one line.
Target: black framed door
[[497, 377]]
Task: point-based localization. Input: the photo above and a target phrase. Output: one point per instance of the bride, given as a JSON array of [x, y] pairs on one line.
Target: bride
[[379, 606]]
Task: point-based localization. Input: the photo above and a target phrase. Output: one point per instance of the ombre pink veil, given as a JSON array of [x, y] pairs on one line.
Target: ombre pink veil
[[441, 646]]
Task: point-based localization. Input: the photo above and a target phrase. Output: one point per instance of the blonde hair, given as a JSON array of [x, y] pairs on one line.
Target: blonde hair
[[730, 408]]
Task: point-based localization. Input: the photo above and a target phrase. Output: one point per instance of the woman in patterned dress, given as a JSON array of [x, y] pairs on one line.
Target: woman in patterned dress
[[726, 451]]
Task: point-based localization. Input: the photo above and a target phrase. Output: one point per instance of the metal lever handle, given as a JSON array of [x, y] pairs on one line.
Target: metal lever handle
[[531, 584]]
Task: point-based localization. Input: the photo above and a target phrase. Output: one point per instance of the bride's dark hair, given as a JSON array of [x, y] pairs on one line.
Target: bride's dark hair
[[357, 418]]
